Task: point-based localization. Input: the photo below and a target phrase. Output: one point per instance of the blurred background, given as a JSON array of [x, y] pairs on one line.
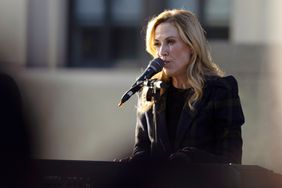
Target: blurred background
[[73, 60]]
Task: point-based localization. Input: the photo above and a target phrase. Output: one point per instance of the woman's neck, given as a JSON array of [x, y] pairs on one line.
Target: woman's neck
[[180, 83]]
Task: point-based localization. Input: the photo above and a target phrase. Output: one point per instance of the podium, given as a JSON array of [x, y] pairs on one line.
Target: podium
[[92, 174]]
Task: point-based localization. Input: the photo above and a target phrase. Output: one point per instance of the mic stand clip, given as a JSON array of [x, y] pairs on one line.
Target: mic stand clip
[[154, 88]]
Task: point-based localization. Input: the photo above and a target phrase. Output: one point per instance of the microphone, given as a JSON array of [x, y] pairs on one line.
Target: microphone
[[155, 66]]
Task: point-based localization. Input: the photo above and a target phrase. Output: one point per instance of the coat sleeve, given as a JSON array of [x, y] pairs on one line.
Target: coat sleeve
[[142, 143], [229, 118], [227, 121], [142, 146]]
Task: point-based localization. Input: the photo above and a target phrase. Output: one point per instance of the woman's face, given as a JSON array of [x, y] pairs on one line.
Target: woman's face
[[172, 49]]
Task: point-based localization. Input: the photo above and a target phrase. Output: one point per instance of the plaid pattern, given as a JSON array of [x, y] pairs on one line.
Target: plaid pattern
[[211, 133]]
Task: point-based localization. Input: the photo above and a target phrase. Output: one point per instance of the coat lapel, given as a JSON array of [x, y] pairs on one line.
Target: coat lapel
[[185, 121], [188, 116], [161, 124]]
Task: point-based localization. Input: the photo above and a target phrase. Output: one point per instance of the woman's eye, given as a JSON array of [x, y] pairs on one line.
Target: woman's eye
[[156, 44], [170, 41]]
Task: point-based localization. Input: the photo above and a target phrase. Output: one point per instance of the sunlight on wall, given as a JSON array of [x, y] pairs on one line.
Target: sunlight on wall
[[270, 92], [274, 74]]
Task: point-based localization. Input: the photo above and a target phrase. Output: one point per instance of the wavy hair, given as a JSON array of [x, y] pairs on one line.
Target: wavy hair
[[193, 35]]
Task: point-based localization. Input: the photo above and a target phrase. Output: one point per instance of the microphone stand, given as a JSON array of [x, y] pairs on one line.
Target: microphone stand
[[154, 85], [153, 95]]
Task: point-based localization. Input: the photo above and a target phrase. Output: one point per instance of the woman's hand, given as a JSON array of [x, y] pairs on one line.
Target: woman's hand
[[123, 160], [180, 157]]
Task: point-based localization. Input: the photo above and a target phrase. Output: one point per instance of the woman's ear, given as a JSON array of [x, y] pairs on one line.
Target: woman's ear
[[191, 53], [191, 49]]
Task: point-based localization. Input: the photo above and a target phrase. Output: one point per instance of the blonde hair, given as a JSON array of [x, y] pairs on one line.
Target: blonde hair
[[192, 33]]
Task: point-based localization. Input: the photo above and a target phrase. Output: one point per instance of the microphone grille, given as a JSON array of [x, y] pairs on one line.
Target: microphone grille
[[157, 64]]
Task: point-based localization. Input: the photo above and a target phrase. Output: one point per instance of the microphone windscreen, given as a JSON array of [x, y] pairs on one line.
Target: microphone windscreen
[[157, 64]]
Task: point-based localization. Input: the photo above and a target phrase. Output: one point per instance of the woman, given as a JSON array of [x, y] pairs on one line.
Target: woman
[[198, 117]]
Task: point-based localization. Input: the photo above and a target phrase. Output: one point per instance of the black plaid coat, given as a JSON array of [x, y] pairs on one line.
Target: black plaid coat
[[210, 134]]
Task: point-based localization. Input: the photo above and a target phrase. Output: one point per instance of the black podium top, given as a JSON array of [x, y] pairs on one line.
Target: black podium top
[[90, 174]]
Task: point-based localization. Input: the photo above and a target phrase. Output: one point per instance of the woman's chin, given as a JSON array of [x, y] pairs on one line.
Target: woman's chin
[[168, 72]]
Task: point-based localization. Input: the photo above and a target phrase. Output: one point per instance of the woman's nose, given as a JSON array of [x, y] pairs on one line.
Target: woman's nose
[[163, 51]]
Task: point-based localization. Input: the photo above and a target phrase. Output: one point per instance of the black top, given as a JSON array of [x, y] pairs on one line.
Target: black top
[[176, 99]]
